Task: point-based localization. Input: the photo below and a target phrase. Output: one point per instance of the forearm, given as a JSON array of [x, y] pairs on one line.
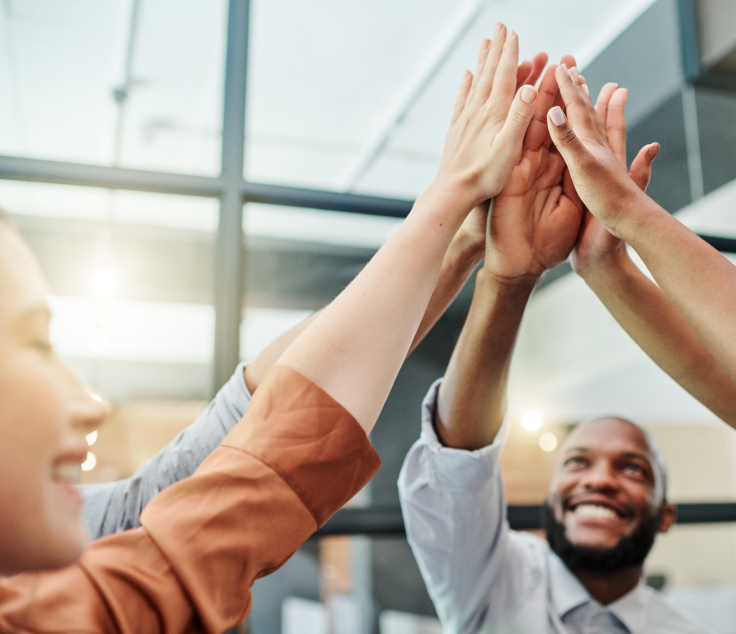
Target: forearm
[[255, 371], [355, 348], [646, 314], [457, 267], [472, 398], [699, 281]]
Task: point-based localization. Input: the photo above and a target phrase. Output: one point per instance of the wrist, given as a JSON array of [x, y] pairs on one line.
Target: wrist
[[604, 264], [504, 284], [455, 193]]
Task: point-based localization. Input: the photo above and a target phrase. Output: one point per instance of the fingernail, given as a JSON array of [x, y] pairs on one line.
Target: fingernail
[[564, 67], [653, 151], [485, 44], [586, 89], [557, 116], [467, 74], [528, 95], [511, 35], [498, 29], [574, 72]]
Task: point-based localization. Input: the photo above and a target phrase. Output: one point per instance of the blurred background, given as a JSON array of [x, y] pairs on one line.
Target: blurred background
[[196, 176]]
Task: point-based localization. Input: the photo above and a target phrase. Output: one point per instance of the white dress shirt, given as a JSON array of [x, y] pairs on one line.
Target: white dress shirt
[[485, 578]]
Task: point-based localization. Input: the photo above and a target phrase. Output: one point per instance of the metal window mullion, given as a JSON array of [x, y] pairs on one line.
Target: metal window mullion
[[229, 252]]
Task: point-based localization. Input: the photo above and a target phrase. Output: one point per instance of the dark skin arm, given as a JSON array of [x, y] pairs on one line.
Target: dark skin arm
[[533, 227], [637, 303]]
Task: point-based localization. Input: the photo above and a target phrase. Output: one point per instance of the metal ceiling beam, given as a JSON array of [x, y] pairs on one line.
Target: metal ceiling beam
[[83, 175], [40, 171]]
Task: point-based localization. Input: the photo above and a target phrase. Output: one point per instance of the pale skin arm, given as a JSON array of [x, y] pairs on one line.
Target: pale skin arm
[[533, 226], [353, 350], [463, 256], [638, 304], [697, 280]]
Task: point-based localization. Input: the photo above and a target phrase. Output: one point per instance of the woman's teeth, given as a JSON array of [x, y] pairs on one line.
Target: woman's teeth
[[593, 510], [67, 472]]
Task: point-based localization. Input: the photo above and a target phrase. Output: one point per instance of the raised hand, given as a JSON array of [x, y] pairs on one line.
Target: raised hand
[[488, 124], [581, 137], [596, 245], [471, 237], [536, 218]]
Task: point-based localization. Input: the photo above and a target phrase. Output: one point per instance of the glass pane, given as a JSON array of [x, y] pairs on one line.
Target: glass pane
[[357, 96], [64, 93]]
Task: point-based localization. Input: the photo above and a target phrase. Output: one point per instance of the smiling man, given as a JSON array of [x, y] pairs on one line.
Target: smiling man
[[607, 501]]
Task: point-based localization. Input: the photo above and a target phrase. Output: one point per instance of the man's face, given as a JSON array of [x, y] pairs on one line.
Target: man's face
[[605, 489]]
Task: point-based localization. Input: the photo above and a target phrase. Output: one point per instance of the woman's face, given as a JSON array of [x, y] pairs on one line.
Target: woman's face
[[45, 414]]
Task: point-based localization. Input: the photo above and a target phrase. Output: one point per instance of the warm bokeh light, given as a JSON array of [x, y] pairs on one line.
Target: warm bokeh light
[[92, 438], [103, 282], [90, 463], [548, 441], [97, 340], [532, 420]]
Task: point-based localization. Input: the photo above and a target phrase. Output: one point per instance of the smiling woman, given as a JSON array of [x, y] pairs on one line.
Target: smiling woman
[[45, 412]]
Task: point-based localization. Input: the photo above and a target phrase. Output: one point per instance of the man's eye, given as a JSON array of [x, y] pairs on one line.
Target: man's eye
[[576, 461], [634, 468]]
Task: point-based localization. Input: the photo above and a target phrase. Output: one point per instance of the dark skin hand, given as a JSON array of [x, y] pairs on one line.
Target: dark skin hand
[[697, 280], [607, 464], [637, 303], [533, 227]]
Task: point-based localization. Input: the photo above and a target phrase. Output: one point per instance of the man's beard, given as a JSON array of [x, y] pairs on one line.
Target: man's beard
[[630, 552]]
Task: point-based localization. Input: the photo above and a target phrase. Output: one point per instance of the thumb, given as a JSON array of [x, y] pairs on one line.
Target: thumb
[[509, 140], [563, 136], [641, 167]]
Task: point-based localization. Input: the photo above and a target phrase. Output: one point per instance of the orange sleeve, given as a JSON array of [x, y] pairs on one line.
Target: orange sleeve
[[295, 458]]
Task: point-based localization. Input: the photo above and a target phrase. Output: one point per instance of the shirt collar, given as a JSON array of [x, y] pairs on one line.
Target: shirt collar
[[568, 593]]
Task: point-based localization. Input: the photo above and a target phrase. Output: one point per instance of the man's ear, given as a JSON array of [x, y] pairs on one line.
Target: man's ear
[[669, 515]]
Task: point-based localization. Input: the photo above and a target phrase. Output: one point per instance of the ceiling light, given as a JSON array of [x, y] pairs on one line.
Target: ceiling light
[[532, 420], [103, 282], [548, 441], [90, 463], [92, 438]]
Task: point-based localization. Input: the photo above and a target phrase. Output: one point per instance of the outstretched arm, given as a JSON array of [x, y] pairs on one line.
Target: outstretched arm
[[355, 348], [532, 227], [698, 281], [638, 304]]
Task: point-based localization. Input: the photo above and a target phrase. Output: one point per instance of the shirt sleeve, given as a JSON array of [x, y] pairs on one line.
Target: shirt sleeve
[[298, 457], [454, 509], [116, 506]]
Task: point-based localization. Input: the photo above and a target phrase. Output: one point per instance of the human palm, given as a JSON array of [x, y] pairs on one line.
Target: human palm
[[536, 218]]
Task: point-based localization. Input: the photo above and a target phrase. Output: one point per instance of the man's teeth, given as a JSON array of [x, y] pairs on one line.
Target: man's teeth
[[593, 510], [67, 473]]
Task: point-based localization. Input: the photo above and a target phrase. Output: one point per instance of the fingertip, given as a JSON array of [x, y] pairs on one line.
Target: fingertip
[[528, 94], [653, 151], [557, 116]]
